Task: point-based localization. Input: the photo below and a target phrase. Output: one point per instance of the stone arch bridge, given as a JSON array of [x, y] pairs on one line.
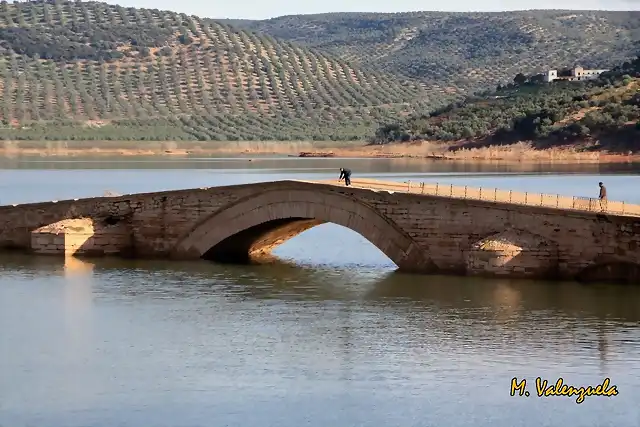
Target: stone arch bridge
[[423, 233]]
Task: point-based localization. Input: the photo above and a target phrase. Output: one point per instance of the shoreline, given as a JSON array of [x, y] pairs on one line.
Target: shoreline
[[515, 153]]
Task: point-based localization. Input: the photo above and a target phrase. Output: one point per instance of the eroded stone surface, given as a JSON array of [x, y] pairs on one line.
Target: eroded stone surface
[[513, 253], [80, 236]]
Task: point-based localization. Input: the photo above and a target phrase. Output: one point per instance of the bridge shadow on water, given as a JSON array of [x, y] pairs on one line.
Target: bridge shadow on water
[[288, 280], [453, 310], [599, 300]]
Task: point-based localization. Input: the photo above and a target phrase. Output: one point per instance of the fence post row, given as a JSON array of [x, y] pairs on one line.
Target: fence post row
[[576, 202]]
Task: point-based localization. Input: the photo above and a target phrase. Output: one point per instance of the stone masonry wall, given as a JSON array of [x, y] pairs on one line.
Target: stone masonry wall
[[81, 236], [448, 228], [155, 220], [445, 228], [513, 253]]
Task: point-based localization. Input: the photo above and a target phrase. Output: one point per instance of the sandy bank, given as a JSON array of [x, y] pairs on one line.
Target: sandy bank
[[521, 152]]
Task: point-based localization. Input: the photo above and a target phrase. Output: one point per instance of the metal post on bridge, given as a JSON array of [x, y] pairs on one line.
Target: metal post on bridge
[[526, 198], [451, 190], [437, 186], [557, 200], [465, 191], [409, 186], [495, 194], [622, 208]]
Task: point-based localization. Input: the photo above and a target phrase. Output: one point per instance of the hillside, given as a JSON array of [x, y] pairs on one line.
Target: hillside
[[89, 70], [598, 114], [459, 52]]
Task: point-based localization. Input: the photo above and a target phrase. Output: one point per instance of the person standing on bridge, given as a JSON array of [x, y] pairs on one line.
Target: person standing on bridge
[[346, 174], [602, 196]]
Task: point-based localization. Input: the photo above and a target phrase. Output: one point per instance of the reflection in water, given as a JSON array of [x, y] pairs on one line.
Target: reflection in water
[[330, 336], [602, 345], [78, 327], [173, 341], [289, 280], [263, 164], [78, 301]]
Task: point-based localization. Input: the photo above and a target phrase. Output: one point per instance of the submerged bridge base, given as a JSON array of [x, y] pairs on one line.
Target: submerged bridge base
[[424, 233]]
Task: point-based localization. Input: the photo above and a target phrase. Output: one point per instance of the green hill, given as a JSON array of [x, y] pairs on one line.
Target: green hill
[[72, 70], [90, 70], [458, 52], [597, 114]]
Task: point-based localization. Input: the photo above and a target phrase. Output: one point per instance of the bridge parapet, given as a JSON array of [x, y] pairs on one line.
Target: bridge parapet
[[495, 195]]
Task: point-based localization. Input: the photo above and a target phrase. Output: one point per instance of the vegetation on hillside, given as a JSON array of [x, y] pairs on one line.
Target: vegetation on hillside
[[72, 70], [531, 110], [462, 52], [90, 70]]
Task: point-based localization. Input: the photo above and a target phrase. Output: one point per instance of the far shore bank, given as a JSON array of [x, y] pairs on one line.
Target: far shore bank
[[515, 153]]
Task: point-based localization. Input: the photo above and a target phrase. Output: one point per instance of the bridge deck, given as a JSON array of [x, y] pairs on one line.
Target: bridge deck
[[554, 201]]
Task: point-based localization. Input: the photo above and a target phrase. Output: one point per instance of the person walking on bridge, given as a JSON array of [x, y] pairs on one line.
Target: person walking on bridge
[[602, 196], [346, 174]]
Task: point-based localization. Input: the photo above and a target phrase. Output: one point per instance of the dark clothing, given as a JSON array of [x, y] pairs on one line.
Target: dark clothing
[[346, 174], [603, 193], [603, 198]]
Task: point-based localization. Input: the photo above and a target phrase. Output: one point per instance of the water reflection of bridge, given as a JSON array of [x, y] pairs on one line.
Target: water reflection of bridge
[[284, 279], [539, 314]]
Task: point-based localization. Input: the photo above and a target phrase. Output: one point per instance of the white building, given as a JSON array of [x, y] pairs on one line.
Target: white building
[[578, 73]]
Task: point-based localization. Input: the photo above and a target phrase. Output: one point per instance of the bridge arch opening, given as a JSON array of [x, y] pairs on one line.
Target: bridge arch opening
[[258, 241], [300, 241], [253, 227]]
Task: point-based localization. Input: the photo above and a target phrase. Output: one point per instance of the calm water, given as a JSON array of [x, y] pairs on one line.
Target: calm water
[[329, 336]]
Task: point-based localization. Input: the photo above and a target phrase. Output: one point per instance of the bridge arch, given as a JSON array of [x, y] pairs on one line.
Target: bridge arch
[[257, 224]]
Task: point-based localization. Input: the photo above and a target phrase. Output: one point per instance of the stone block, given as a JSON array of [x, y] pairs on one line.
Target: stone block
[[514, 253], [80, 236]]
